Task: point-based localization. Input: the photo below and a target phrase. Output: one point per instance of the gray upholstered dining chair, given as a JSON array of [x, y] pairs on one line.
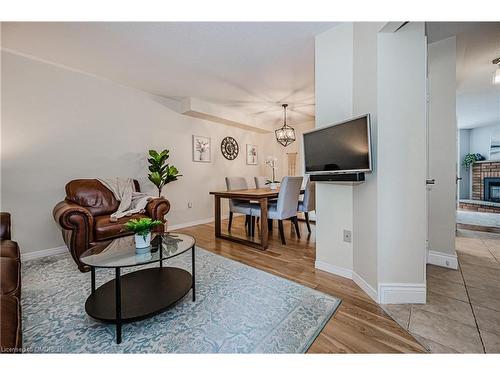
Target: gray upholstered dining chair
[[260, 182], [285, 207], [236, 205], [308, 203]]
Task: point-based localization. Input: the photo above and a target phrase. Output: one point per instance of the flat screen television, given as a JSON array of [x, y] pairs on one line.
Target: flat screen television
[[344, 147]]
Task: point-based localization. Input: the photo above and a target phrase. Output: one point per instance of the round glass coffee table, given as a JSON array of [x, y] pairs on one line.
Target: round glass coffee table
[[143, 293]]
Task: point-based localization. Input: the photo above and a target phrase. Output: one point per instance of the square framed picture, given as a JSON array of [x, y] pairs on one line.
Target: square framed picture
[[495, 147], [252, 155], [202, 149]]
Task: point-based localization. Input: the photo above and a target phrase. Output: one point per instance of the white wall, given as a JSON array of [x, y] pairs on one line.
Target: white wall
[[442, 164], [480, 139], [360, 69], [365, 260], [333, 74], [463, 149], [334, 103], [402, 160], [273, 148], [346, 86], [58, 125]]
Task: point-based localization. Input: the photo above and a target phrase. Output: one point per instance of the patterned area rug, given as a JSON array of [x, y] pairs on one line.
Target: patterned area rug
[[238, 309]]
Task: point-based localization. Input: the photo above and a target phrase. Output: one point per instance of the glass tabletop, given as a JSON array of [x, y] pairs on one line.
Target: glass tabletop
[[121, 252]]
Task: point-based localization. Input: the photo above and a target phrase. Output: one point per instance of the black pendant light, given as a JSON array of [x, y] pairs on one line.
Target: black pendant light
[[286, 134]]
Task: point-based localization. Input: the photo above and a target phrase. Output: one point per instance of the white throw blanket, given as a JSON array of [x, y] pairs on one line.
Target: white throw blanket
[[131, 201]]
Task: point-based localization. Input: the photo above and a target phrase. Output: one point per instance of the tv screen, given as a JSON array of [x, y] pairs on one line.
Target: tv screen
[[338, 148]]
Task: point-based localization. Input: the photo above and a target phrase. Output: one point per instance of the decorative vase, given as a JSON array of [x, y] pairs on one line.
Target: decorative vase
[[141, 242], [273, 186]]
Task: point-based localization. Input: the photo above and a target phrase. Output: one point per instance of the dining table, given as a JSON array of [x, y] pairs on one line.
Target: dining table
[[262, 196]]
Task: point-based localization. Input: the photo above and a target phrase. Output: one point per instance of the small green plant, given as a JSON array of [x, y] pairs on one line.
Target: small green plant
[[142, 226], [470, 159], [161, 173]]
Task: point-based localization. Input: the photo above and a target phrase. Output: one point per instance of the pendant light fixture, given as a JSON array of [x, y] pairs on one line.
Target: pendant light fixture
[[286, 134], [496, 75]]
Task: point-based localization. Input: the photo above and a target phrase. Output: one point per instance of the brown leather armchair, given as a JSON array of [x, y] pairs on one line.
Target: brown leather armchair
[[10, 290], [84, 216]]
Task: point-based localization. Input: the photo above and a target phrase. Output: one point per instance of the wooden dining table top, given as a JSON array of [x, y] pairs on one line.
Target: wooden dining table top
[[247, 193]]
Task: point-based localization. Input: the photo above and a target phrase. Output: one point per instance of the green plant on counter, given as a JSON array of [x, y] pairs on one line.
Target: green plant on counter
[[142, 226], [470, 159], [161, 173]]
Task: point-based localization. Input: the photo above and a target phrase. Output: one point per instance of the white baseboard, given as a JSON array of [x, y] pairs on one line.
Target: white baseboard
[[43, 253], [441, 259], [336, 270], [367, 288], [390, 293], [190, 224], [349, 274]]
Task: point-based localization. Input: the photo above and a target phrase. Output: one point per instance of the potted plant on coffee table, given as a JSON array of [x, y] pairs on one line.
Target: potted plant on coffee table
[[142, 229]]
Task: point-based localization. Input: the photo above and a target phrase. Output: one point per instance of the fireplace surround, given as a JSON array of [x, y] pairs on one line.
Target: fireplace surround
[[481, 171], [491, 189]]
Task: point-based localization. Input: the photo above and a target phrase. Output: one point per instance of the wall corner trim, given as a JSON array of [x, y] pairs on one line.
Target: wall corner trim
[[392, 293], [336, 270], [367, 288], [442, 259], [349, 274]]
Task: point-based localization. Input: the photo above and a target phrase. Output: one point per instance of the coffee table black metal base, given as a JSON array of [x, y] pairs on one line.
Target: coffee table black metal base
[[138, 295]]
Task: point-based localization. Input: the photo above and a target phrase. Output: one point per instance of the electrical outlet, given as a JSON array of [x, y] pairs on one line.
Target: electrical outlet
[[347, 235], [190, 204]]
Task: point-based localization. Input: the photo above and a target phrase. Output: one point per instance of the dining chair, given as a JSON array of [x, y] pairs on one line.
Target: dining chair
[[284, 208], [260, 182], [237, 205], [308, 203]]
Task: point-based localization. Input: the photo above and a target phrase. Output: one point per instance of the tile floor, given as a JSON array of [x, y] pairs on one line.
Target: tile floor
[[462, 313]]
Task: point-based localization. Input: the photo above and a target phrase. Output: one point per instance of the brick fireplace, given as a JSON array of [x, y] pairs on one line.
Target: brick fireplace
[[480, 171], [485, 188]]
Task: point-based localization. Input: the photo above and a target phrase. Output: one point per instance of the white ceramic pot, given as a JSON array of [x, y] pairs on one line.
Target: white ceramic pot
[[273, 186], [141, 243]]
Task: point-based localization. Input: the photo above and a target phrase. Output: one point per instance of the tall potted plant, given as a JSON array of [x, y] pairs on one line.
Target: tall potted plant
[[161, 172]]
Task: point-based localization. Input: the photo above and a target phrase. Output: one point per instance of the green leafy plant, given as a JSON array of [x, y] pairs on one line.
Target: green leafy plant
[[470, 159], [141, 226], [161, 173]]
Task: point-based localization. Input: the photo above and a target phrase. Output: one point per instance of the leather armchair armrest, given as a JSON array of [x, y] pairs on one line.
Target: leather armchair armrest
[[71, 216], [157, 208], [4, 226], [79, 223]]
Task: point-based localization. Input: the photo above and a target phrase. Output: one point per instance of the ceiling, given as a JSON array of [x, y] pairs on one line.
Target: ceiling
[[478, 43], [250, 67]]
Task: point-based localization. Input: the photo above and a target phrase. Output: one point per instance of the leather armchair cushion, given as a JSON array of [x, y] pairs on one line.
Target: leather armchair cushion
[[105, 229], [92, 195], [9, 249], [10, 328], [10, 282]]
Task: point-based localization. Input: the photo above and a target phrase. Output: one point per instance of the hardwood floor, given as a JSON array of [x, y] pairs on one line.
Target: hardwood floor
[[359, 325]]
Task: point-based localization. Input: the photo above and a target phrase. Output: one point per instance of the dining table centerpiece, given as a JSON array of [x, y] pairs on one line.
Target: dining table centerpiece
[[271, 162]]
